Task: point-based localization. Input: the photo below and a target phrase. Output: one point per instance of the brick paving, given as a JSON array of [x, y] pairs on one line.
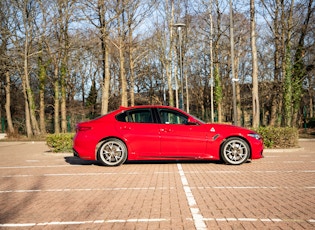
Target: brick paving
[[43, 190]]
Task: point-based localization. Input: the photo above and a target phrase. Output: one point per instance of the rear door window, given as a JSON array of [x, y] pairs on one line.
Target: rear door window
[[136, 116]]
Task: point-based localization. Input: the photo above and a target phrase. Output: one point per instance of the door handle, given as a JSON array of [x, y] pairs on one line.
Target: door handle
[[166, 130], [125, 127]]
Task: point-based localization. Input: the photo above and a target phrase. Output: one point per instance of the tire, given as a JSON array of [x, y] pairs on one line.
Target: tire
[[235, 151], [112, 152]]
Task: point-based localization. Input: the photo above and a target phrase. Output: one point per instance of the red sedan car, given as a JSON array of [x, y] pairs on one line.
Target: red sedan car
[[162, 133]]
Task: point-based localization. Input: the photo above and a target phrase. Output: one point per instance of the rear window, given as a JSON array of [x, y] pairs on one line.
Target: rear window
[[137, 115]]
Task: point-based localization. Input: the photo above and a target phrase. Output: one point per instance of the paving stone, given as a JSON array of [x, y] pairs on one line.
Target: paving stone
[[43, 190]]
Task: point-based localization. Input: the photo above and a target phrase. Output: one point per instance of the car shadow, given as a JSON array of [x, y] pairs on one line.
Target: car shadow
[[72, 160], [173, 162]]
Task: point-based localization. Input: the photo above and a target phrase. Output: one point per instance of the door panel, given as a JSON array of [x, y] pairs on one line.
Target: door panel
[[178, 138], [182, 141], [140, 132]]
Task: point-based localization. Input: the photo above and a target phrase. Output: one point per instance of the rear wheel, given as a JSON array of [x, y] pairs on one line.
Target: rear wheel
[[112, 152], [235, 151]]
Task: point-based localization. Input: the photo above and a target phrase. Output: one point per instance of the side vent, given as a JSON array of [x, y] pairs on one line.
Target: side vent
[[215, 137]]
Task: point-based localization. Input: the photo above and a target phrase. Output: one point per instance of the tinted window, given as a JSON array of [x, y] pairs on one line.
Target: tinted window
[[172, 117], [137, 115]]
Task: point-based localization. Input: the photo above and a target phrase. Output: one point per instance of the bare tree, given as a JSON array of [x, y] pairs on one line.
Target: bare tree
[[299, 67], [136, 13], [55, 43], [65, 10], [99, 14], [121, 33], [167, 58], [5, 14], [216, 72], [26, 22]]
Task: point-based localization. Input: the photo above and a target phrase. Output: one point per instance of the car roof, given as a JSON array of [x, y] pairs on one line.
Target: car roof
[[146, 106]]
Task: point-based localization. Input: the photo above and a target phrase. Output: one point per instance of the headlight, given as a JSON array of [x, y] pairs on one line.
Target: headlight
[[254, 135]]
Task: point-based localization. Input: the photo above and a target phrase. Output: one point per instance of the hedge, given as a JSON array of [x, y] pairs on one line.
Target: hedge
[[61, 142], [279, 137], [273, 138]]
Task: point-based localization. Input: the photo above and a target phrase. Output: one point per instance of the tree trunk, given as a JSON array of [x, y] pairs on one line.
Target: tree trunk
[[8, 103], [28, 126], [104, 35], [287, 91], [56, 102], [217, 78], [218, 89], [105, 63], [132, 81], [237, 89], [255, 94], [29, 96], [169, 66], [106, 79], [121, 47], [124, 97], [63, 97], [277, 89], [42, 79], [131, 66]]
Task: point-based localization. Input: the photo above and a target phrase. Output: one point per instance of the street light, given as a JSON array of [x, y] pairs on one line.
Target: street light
[[234, 78], [179, 28]]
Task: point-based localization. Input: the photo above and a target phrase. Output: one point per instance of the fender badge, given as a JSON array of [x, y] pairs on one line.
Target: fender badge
[[212, 129]]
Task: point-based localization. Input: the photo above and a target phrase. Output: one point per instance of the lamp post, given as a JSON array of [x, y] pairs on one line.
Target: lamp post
[[211, 63], [179, 28], [234, 78]]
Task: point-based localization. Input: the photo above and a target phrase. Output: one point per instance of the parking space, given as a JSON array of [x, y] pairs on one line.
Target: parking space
[[43, 190]]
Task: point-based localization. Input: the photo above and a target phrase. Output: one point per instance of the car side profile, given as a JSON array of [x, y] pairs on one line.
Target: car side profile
[[162, 133]]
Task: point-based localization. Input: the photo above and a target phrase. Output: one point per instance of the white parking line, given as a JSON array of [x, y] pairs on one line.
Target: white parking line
[[222, 219], [195, 212], [293, 162], [252, 187], [139, 173], [83, 189], [80, 222], [243, 219], [187, 189], [35, 166]]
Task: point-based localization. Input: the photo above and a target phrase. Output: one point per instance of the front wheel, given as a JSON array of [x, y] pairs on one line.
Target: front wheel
[[112, 152], [235, 151]]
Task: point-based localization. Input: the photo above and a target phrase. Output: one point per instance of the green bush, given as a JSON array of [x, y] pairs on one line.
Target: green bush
[[279, 137], [60, 142]]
